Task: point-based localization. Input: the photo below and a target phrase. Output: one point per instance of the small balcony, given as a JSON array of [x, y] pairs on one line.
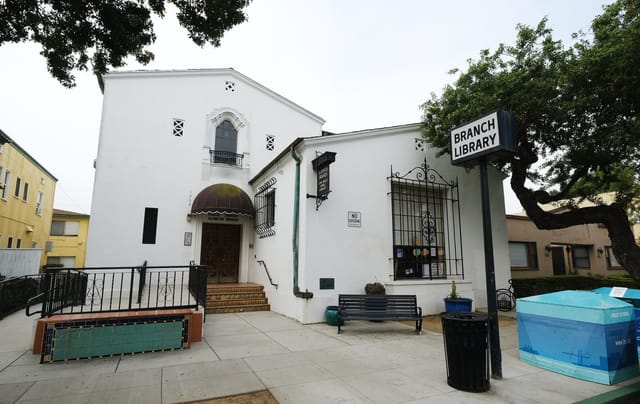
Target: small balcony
[[225, 157]]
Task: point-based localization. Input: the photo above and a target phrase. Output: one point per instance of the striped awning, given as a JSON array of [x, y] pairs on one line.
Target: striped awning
[[222, 199]]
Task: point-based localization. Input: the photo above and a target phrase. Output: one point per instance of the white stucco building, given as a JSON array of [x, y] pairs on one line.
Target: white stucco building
[[212, 167]]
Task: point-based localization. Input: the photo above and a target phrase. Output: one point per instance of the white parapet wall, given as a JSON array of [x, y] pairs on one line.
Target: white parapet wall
[[16, 262]]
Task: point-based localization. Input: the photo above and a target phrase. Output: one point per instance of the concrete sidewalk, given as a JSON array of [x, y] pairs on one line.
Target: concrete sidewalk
[[369, 363]]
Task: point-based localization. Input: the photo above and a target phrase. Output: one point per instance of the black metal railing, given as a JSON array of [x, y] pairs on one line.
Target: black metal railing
[[226, 157], [198, 283], [15, 292], [264, 264], [143, 276], [112, 289]]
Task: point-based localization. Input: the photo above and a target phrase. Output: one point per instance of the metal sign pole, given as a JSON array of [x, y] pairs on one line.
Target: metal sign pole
[[494, 332]]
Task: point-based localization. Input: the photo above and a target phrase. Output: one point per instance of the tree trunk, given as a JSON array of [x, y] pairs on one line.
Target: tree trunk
[[613, 216]]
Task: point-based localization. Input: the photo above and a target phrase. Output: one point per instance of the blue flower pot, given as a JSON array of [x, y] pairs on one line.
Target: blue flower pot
[[462, 304]]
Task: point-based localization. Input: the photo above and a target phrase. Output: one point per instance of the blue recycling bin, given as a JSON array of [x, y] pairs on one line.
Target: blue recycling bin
[[631, 296], [581, 334]]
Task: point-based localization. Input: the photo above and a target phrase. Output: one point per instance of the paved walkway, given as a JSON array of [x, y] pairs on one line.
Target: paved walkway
[[369, 363]]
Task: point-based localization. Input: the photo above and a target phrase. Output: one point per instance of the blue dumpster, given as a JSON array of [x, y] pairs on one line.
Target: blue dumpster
[[631, 296], [581, 334]]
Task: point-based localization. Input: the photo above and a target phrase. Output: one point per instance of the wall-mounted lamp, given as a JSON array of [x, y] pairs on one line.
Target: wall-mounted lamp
[[600, 251], [547, 248], [568, 248], [189, 218]]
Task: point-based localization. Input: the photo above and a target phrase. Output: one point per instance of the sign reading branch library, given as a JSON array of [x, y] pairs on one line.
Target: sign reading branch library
[[492, 134]]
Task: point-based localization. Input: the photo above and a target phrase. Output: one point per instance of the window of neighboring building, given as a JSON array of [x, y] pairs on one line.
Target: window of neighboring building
[[150, 226], [9, 242], [612, 262], [61, 262], [16, 193], [39, 203], [5, 184], [25, 192], [64, 228], [19, 243], [580, 256], [523, 255]]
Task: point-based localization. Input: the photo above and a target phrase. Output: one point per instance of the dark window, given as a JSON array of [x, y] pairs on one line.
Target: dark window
[[9, 242], [418, 231], [425, 214], [580, 255], [19, 243], [64, 228], [150, 225], [17, 191], [226, 137], [265, 205], [523, 255]]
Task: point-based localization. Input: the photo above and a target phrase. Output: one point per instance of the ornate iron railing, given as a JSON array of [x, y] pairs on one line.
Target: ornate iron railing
[[112, 289], [226, 157]]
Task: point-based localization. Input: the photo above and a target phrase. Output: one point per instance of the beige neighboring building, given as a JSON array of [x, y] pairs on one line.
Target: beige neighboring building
[[583, 249], [68, 237]]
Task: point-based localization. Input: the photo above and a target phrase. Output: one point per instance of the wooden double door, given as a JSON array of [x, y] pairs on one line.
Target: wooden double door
[[220, 252]]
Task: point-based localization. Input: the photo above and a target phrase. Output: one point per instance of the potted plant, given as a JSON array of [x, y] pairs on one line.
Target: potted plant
[[454, 302], [375, 288]]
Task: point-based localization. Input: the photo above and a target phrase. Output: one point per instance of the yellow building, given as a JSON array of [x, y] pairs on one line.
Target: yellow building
[[69, 239], [26, 199]]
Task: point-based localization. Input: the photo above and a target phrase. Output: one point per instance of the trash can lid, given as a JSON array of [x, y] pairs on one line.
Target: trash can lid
[[465, 316]]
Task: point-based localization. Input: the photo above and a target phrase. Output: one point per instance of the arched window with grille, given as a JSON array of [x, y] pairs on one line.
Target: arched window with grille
[[226, 144]]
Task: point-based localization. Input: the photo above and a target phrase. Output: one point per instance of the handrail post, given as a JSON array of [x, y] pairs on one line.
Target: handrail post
[[133, 270]]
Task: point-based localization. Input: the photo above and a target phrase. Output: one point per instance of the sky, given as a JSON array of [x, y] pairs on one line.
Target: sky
[[358, 64]]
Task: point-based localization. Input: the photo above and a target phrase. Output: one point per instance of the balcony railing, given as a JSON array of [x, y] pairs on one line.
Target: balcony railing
[[225, 157]]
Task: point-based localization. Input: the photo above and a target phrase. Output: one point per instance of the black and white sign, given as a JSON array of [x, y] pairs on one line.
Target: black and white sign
[[487, 135], [354, 219]]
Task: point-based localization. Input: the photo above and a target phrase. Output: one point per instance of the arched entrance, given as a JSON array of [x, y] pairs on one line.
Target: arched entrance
[[220, 207]]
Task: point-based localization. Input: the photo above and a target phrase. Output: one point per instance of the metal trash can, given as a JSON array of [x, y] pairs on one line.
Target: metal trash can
[[466, 347]]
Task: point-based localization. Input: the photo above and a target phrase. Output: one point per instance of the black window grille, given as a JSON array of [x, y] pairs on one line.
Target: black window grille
[[265, 205], [427, 239]]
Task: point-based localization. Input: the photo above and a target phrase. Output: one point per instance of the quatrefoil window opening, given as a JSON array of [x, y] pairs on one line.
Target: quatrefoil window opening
[[270, 142], [178, 127], [230, 86]]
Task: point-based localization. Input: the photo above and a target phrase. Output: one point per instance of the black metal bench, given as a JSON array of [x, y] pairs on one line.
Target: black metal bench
[[379, 307]]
